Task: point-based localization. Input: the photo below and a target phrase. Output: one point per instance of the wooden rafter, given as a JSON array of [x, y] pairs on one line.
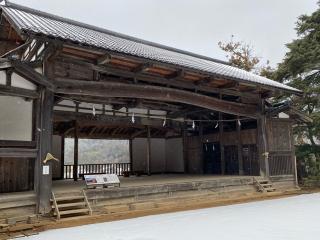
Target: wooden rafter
[[201, 85], [110, 89], [20, 92], [29, 73]]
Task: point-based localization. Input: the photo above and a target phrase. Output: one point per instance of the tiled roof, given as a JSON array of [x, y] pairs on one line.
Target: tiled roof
[[30, 21]]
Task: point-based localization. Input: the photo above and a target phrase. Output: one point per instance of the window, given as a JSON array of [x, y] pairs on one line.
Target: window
[[15, 118], [98, 151]]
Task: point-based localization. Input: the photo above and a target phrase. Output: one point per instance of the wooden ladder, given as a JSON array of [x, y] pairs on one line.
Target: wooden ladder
[[69, 206], [263, 184]]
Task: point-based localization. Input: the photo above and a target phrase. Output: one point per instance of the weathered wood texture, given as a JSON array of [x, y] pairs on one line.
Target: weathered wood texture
[[231, 159], [250, 158], [45, 144], [262, 144], [114, 89], [16, 174], [281, 146], [279, 134], [69, 66], [75, 151], [230, 141]]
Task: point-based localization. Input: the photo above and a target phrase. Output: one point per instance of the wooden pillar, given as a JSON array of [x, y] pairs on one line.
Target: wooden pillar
[[43, 178], [148, 151], [262, 141], [264, 145], [221, 137], [201, 146], [75, 152], [239, 147], [185, 148], [37, 138], [8, 77], [62, 156], [131, 157]]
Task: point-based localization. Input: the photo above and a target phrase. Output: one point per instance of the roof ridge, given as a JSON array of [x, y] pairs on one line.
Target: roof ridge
[[113, 33]]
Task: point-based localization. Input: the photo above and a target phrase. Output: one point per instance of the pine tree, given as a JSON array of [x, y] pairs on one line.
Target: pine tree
[[301, 69]]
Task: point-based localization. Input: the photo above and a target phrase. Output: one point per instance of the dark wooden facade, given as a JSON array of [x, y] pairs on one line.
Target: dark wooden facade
[[250, 142]]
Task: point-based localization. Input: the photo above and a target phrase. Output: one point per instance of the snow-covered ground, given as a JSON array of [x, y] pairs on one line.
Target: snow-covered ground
[[288, 218]]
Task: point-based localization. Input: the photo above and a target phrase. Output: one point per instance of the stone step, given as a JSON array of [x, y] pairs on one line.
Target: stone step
[[16, 197], [17, 204]]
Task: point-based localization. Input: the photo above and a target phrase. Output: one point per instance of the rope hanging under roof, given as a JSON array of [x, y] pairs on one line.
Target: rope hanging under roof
[[164, 118]]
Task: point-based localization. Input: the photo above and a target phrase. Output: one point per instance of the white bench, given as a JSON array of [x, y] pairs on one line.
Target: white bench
[[102, 180]]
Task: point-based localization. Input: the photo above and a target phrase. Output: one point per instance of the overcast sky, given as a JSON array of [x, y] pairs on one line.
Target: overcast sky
[[193, 25]]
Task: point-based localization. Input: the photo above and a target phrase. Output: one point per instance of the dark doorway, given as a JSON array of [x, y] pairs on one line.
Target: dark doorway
[[211, 158], [250, 160], [231, 159]]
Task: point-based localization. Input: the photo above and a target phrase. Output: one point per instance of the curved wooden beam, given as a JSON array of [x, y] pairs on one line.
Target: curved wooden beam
[[114, 89]]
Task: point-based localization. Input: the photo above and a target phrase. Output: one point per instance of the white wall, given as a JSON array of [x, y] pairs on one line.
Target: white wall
[[3, 78], [20, 82], [166, 155], [15, 119], [17, 81]]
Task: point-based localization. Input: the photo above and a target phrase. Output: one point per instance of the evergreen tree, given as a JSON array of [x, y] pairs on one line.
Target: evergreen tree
[[301, 69]]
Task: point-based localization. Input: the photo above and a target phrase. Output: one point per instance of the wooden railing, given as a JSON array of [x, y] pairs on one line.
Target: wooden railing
[[281, 163], [109, 168]]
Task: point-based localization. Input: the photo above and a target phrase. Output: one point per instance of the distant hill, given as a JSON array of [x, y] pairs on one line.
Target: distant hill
[[98, 151]]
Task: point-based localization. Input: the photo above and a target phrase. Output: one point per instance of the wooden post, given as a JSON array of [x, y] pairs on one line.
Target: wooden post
[[62, 157], [265, 153], [223, 164], [37, 138], [75, 152], [239, 146], [8, 77], [295, 172], [201, 145], [262, 142], [149, 151], [43, 184], [131, 157], [185, 148]]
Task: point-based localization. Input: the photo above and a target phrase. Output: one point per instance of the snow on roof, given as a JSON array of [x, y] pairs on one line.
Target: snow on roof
[[31, 21]]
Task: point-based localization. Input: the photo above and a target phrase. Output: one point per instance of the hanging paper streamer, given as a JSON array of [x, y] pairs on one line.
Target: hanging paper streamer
[[239, 123], [193, 125], [132, 118], [93, 110], [164, 122], [217, 125]]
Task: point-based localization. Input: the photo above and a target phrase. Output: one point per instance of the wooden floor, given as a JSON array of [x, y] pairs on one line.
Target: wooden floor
[[133, 181]]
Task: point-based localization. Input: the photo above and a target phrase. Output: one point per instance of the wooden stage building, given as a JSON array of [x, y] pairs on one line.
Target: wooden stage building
[[186, 116]]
